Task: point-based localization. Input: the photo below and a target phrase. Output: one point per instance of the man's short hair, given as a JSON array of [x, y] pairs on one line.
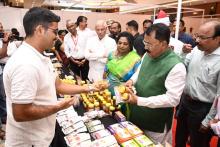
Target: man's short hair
[[147, 21], [119, 25], [80, 19], [216, 30], [181, 21], [38, 16], [162, 32], [133, 24]]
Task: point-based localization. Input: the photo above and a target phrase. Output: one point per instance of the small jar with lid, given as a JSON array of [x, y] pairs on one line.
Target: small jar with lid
[[111, 110], [104, 105], [90, 107], [97, 106], [107, 107]]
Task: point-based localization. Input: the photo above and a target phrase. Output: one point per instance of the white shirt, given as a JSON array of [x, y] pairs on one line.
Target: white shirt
[[177, 46], [96, 52], [174, 83], [74, 46], [203, 78], [12, 47], [85, 34], [29, 77]]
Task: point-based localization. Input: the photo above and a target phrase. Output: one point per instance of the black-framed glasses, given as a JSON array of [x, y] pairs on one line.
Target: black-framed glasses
[[146, 43], [203, 37], [55, 31]]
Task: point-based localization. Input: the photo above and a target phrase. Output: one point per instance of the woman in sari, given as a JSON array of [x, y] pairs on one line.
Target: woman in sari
[[123, 62]]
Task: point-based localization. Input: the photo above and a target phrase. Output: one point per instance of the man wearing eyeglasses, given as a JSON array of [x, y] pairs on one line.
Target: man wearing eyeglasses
[[202, 86], [159, 82], [31, 84]]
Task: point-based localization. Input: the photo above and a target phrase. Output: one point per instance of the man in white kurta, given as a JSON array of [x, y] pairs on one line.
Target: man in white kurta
[[97, 50]]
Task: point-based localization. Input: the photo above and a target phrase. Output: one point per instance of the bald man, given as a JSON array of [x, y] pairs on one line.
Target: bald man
[[97, 50], [74, 47], [202, 86]]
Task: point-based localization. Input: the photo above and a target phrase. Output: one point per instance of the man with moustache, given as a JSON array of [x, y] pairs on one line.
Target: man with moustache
[[159, 83], [202, 87]]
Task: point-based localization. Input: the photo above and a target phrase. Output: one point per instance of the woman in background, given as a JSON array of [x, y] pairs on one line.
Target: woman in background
[[123, 62], [59, 48]]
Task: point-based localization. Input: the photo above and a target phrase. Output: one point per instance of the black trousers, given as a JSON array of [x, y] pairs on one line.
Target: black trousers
[[81, 71], [189, 117]]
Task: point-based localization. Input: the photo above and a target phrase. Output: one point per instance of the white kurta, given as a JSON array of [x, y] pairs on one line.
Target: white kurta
[[97, 52]]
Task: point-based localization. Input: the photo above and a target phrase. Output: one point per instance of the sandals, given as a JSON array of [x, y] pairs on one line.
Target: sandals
[[2, 134]]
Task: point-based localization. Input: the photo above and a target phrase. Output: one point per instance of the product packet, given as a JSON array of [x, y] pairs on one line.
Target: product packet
[[100, 134], [132, 129], [104, 142], [96, 128], [73, 140], [120, 132], [119, 116], [93, 123], [130, 143], [143, 141]]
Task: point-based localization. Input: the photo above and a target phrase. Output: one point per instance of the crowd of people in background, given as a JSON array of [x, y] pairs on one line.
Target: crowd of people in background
[[166, 72]]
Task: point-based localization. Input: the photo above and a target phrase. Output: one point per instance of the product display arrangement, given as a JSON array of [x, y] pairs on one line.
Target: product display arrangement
[[96, 121]]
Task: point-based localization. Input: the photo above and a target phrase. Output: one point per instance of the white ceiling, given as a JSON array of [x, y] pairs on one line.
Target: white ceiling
[[136, 4]]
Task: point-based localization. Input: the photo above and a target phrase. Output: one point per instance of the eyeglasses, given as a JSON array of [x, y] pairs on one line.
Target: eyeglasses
[[146, 43], [203, 37], [55, 31]]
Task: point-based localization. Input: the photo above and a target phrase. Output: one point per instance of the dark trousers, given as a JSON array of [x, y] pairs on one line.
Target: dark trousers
[[3, 112], [189, 117], [81, 71], [218, 142]]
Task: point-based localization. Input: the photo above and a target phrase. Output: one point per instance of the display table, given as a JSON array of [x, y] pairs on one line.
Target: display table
[[58, 140]]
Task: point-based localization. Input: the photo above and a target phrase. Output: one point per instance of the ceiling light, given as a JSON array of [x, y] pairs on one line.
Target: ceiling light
[[194, 13]]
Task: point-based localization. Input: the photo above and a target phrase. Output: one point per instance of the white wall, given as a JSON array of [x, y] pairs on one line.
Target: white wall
[[12, 17]]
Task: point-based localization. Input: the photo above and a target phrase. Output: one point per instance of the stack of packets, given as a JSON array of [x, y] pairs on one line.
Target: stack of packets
[[81, 130], [102, 137], [81, 139], [70, 122], [94, 114], [129, 135], [119, 116]]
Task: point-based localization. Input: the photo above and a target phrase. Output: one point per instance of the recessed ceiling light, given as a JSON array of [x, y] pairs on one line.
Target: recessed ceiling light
[[194, 13]]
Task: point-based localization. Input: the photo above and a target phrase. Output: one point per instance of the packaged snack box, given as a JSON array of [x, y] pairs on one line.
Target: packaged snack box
[[130, 143], [144, 141], [133, 129]]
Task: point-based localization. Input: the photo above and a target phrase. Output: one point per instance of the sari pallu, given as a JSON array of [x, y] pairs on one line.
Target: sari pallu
[[120, 69]]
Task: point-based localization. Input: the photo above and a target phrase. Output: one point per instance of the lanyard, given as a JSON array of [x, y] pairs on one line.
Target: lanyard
[[75, 41]]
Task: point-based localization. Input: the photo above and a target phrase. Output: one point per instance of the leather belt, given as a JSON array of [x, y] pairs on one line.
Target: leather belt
[[78, 59], [2, 64]]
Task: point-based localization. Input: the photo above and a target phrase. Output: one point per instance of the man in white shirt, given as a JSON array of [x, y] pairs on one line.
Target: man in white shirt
[[31, 84], [202, 87], [159, 83], [83, 30], [74, 48], [97, 50]]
